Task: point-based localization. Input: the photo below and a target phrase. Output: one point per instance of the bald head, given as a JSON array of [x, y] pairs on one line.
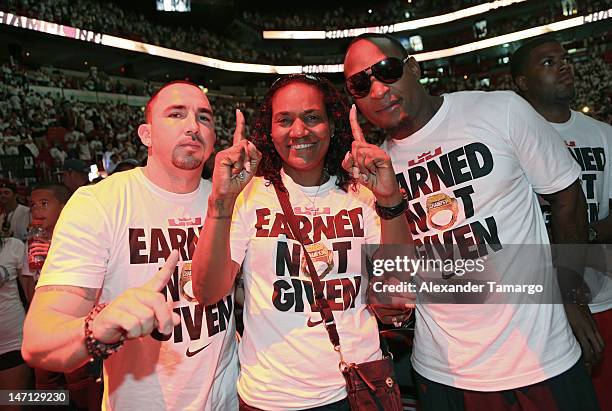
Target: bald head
[[153, 99], [179, 132], [382, 41]]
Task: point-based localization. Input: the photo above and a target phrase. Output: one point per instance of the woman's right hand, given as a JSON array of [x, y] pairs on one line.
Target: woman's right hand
[[236, 165]]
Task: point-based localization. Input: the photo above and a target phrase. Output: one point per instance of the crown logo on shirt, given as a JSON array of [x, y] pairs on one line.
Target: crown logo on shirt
[[425, 157], [185, 221]]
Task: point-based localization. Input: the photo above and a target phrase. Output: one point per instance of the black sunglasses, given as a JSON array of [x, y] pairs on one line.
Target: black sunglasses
[[388, 71]]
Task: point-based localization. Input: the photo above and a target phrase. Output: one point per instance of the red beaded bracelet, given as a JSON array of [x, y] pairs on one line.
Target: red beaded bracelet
[[97, 349]]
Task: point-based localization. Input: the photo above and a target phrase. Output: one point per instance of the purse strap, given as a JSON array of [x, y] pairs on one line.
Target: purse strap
[[320, 301]]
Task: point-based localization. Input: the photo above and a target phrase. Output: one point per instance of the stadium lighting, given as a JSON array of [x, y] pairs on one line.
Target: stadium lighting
[[55, 29], [403, 26], [511, 37]]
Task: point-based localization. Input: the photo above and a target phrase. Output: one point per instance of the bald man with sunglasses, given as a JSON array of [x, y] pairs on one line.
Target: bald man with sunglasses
[[470, 163]]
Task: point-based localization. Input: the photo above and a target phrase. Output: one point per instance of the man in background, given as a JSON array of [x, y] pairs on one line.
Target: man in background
[[544, 76], [14, 217], [75, 174], [46, 203]]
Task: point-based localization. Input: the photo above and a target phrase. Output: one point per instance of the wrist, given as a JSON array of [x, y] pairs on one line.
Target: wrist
[[389, 201], [391, 212], [96, 348], [96, 328]]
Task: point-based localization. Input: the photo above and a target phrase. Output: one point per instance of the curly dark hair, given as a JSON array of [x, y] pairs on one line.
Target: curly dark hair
[[337, 108]]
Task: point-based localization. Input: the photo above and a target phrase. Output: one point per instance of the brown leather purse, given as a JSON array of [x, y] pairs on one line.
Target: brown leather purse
[[370, 386]]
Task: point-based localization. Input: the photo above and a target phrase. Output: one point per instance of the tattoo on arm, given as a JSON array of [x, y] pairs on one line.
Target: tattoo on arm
[[90, 294], [220, 211]]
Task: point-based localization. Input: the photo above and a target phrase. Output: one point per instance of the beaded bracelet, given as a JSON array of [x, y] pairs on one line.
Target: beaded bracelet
[[97, 349]]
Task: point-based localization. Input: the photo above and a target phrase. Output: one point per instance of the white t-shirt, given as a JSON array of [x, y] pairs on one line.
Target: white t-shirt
[[487, 153], [116, 235], [588, 140], [287, 361], [11, 309]]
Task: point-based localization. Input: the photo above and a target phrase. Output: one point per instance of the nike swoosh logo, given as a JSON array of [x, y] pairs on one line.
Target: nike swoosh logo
[[311, 323], [192, 353]]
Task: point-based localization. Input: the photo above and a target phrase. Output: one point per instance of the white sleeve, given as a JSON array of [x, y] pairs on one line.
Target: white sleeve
[[546, 162], [80, 248]]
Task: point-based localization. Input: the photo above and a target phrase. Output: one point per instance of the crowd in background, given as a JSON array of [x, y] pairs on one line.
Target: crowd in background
[[53, 128], [90, 80], [594, 86], [108, 18]]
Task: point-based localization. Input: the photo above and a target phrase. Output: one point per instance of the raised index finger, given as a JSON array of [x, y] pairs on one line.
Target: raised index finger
[[239, 132], [355, 127], [161, 278]]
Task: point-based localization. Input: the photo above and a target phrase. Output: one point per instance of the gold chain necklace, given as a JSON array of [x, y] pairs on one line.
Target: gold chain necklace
[[313, 209]]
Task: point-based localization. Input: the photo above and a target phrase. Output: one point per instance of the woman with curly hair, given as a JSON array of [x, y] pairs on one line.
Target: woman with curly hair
[[303, 144], [333, 152]]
